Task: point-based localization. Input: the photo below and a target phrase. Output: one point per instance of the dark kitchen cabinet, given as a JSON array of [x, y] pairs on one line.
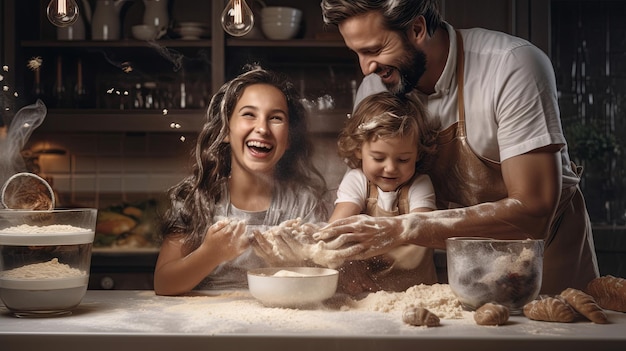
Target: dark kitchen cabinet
[[130, 84]]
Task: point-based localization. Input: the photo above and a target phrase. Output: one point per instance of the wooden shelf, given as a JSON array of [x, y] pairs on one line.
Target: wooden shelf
[[128, 43], [316, 59]]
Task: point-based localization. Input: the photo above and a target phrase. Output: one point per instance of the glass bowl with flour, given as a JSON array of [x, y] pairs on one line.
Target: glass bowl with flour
[[45, 257], [482, 270]]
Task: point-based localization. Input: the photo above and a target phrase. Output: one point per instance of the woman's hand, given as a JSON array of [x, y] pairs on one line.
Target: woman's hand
[[178, 271], [228, 237], [286, 244]]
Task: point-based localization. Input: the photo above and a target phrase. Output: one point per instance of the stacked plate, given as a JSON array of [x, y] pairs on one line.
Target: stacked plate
[[192, 30]]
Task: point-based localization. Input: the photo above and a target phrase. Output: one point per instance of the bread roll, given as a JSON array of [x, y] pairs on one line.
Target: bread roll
[[609, 292], [585, 305], [491, 314], [549, 309], [419, 316]]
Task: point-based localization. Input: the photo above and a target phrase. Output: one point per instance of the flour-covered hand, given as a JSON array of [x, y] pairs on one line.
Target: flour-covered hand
[[230, 235], [361, 236], [286, 244]]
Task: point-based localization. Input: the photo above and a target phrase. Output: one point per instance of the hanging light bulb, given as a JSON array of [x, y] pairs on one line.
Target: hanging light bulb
[[237, 18], [62, 13]]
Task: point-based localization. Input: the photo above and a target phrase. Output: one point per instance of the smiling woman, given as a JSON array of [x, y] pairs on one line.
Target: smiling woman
[[252, 167]]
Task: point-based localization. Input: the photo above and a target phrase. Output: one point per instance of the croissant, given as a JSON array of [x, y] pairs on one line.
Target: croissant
[[585, 305], [491, 314], [549, 309], [609, 292], [419, 316]]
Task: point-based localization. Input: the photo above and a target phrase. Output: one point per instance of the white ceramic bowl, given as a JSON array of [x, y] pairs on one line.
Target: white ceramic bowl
[[280, 22], [144, 32], [280, 31], [292, 287], [46, 256], [507, 272], [281, 11]]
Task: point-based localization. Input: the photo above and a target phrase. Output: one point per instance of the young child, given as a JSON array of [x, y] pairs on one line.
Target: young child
[[253, 167], [388, 145]]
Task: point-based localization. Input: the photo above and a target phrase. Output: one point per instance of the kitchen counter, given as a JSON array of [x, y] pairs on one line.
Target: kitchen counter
[[140, 320]]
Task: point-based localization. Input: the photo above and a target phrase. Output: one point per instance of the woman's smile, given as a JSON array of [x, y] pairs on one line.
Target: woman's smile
[[259, 148]]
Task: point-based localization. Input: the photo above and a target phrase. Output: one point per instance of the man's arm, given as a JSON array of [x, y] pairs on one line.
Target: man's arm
[[533, 182]]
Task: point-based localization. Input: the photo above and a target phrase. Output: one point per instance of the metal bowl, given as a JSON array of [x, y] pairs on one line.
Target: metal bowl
[[292, 287], [507, 272]]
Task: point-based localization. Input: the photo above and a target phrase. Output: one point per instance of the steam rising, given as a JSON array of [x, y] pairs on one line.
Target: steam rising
[[20, 128]]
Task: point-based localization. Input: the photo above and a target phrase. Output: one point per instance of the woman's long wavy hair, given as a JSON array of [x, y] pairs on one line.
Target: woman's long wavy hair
[[193, 200], [385, 115]]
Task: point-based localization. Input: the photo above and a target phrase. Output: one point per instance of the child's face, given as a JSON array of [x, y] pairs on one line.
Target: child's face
[[259, 129], [389, 162]]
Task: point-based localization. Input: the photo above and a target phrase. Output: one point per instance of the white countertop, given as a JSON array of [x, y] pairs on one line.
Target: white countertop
[[140, 320]]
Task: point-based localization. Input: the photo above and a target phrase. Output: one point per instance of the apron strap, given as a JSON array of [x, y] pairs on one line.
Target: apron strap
[[460, 69]]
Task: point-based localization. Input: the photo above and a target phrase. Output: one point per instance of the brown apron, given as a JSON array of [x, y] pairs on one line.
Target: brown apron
[[404, 266], [461, 178]]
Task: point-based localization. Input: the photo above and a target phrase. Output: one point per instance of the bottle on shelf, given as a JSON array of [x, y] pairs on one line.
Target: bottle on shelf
[[59, 96], [81, 98]]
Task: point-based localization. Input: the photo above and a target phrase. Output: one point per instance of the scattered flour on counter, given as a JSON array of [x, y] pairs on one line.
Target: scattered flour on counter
[[43, 270], [228, 312], [437, 298]]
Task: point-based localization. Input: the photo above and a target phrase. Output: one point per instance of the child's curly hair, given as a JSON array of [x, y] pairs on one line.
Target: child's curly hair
[[385, 115]]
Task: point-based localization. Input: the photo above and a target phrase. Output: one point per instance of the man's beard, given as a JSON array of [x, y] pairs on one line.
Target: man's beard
[[411, 68]]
